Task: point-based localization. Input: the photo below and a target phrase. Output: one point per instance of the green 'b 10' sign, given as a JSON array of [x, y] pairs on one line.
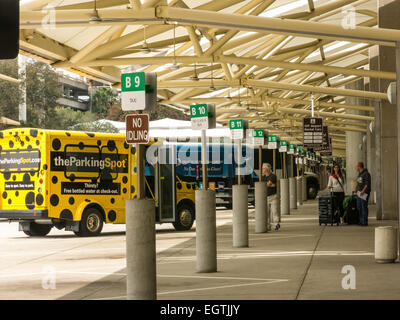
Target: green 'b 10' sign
[[198, 111]]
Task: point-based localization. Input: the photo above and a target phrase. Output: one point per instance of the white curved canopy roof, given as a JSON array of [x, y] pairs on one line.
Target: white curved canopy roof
[[261, 60]]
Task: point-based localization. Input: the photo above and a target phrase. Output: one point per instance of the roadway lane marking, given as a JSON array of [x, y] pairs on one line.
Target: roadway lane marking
[[205, 289], [284, 254]]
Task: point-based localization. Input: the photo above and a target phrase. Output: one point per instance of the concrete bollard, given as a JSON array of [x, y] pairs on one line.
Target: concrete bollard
[[292, 193], [240, 216], [299, 191], [141, 279], [261, 211], [206, 231], [285, 196], [385, 244], [304, 188]]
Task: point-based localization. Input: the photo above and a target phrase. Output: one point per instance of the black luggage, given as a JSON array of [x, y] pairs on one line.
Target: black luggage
[[328, 210], [351, 215]]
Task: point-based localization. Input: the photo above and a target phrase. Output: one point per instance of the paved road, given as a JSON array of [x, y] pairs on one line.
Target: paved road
[[26, 262], [300, 261]]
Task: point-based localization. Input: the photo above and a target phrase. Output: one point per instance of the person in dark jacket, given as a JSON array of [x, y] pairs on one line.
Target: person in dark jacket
[[363, 190]]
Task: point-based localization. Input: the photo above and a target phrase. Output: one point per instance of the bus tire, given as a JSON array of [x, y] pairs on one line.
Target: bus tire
[[38, 230], [91, 223], [184, 217], [312, 191]]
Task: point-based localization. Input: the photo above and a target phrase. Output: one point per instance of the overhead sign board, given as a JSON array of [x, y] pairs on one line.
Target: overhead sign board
[[292, 149], [237, 127], [283, 146], [9, 31], [258, 136], [133, 91], [325, 140], [327, 153], [202, 116], [312, 132], [137, 128], [273, 142]]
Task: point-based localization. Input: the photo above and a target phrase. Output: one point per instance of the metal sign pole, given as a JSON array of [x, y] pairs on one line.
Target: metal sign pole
[[274, 161], [239, 161], [260, 162], [204, 157], [284, 166]]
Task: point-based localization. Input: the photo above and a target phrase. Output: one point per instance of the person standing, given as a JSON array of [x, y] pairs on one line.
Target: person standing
[[363, 190], [271, 180], [336, 185]]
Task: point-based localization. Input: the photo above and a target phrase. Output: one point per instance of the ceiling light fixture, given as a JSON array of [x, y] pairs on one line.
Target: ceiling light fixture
[[94, 17]]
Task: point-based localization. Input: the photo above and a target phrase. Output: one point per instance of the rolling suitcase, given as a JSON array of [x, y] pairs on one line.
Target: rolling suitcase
[[351, 215], [328, 210]]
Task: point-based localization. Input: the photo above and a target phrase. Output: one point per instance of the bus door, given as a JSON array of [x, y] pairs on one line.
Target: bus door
[[166, 193]]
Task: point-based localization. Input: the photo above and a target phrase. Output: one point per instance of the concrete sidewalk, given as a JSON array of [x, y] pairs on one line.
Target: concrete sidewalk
[[300, 261]]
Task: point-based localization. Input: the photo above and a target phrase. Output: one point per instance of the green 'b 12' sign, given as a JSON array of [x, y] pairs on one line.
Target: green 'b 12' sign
[[258, 133]]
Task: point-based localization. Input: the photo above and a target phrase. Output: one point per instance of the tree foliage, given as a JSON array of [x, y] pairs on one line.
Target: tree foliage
[[9, 91], [42, 91]]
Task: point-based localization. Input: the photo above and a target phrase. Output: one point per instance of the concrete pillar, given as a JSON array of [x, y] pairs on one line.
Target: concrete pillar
[[354, 140], [261, 210], [385, 244], [141, 280], [299, 191], [304, 188], [292, 193], [370, 158], [22, 87], [206, 231], [386, 146], [240, 216], [285, 196]]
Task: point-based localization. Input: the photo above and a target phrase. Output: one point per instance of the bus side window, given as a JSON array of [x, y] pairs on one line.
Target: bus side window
[[81, 162], [115, 163]]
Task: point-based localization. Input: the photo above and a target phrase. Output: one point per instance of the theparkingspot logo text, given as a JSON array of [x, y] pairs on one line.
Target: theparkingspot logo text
[[88, 162]]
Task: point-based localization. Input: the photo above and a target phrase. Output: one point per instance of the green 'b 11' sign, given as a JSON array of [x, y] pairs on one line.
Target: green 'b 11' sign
[[236, 124]]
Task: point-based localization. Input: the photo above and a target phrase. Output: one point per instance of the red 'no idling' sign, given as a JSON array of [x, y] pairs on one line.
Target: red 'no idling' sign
[[137, 128]]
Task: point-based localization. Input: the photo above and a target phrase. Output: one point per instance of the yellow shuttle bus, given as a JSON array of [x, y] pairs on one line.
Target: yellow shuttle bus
[[77, 181]]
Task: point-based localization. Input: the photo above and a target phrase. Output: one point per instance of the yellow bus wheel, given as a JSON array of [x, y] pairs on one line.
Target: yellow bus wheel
[[184, 218], [38, 230], [91, 223]]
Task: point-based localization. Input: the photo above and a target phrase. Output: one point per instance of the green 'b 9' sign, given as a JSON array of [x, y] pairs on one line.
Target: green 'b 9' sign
[[133, 82]]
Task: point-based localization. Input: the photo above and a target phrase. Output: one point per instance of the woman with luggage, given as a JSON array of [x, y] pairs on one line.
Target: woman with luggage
[[336, 185]]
